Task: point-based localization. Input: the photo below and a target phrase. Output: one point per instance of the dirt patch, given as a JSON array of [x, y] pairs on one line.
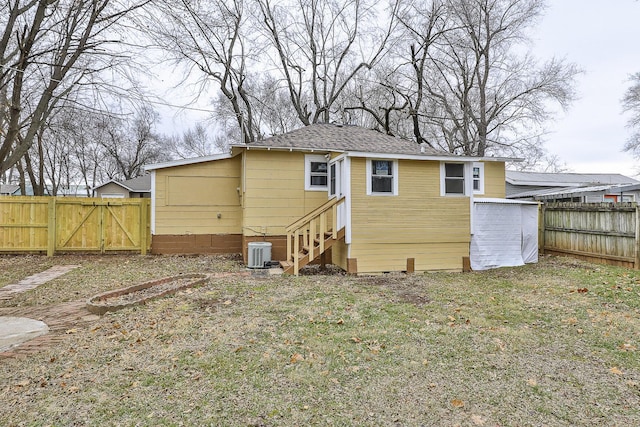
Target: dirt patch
[[400, 287]]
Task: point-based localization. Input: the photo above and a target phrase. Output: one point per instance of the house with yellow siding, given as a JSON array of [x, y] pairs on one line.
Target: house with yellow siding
[[357, 198]]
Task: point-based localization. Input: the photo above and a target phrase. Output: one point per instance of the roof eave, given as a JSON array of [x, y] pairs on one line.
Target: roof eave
[[400, 156], [184, 162], [276, 148]]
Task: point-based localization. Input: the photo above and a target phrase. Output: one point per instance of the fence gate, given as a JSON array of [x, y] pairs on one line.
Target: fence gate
[[73, 224], [99, 225]]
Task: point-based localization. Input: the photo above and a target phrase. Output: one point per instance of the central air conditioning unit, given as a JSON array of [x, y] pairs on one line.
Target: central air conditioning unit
[[259, 254]]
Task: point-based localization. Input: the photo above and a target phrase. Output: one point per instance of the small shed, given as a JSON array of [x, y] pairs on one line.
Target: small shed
[[505, 233]]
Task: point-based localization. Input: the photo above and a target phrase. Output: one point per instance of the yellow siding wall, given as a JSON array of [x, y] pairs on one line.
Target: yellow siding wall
[[494, 180], [274, 194], [189, 198], [339, 252], [418, 223]]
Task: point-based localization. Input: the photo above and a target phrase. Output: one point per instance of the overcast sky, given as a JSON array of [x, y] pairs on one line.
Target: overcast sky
[[603, 38]]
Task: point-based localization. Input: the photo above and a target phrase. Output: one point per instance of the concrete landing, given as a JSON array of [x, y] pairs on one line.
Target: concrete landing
[[16, 330]]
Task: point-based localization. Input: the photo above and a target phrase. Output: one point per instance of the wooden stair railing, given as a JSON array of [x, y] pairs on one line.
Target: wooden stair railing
[[311, 235]]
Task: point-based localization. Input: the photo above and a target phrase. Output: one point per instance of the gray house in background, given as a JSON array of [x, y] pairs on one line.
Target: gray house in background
[[132, 188], [9, 190], [571, 187]]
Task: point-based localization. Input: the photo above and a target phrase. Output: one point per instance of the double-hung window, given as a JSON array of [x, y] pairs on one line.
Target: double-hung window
[[453, 178], [315, 173], [478, 178], [382, 177]]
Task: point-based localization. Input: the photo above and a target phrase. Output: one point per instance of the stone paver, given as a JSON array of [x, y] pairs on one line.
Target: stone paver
[[32, 282]]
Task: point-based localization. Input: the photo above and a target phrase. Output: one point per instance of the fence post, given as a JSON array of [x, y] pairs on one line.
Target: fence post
[[143, 206], [636, 262], [541, 242], [51, 227]]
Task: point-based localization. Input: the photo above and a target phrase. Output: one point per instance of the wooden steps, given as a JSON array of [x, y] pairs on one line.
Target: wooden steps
[[303, 256], [310, 236]]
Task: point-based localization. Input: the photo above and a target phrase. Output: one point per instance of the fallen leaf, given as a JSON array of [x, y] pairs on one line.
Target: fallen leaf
[[477, 420], [615, 370], [628, 347], [457, 403], [296, 357]]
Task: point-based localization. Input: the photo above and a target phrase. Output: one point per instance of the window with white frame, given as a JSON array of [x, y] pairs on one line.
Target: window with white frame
[[382, 177], [478, 178], [315, 173], [453, 177]]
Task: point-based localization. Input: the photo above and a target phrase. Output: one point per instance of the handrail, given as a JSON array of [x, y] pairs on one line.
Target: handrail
[[317, 211]]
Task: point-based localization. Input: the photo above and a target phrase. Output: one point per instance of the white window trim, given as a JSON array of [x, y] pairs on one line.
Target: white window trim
[[480, 166], [308, 158], [468, 182], [394, 178]]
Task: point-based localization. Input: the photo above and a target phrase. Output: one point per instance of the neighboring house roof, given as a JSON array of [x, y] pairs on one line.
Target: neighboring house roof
[[543, 179], [9, 189], [566, 192], [141, 184]]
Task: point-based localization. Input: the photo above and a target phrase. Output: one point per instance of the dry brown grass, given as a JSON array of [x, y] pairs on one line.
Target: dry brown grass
[[552, 344]]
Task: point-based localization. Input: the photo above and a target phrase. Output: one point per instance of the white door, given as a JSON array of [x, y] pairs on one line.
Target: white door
[[338, 187]]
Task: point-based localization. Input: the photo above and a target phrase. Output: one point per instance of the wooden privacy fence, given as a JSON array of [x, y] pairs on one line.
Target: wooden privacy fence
[[606, 233], [65, 224]]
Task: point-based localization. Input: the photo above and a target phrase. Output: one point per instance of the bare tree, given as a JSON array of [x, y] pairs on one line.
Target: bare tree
[[321, 47], [131, 145], [489, 97], [195, 142], [208, 37], [631, 104], [463, 78], [48, 48]]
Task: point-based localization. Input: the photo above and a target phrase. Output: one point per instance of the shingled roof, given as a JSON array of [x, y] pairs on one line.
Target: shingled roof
[[341, 138]]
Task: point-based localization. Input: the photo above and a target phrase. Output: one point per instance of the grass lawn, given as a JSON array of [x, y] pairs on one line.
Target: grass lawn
[[552, 344]]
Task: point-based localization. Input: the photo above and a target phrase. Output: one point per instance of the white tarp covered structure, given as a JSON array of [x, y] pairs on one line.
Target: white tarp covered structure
[[505, 233]]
